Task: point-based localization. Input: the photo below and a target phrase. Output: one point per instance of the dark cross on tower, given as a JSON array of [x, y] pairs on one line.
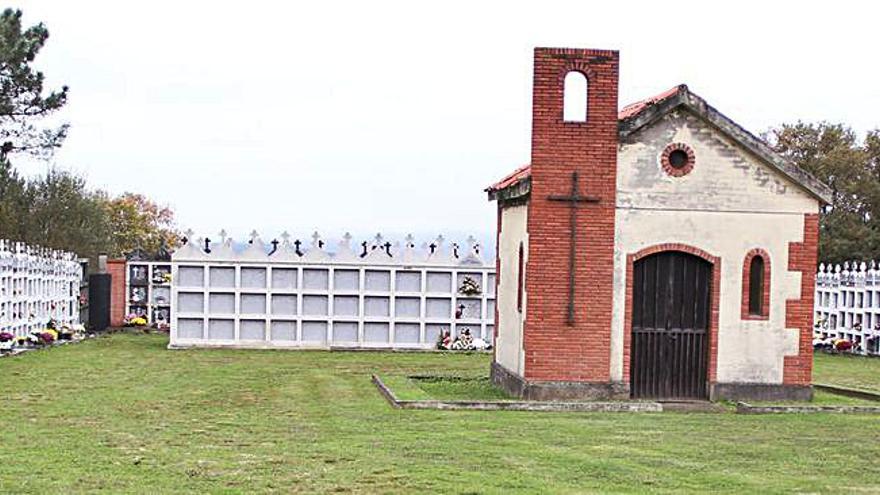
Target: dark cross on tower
[[574, 201]]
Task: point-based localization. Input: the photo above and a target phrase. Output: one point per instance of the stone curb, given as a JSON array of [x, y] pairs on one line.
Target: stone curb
[[505, 405], [746, 408], [849, 392]]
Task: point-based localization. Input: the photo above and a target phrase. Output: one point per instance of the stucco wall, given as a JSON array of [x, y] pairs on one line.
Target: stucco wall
[[730, 203], [508, 342]]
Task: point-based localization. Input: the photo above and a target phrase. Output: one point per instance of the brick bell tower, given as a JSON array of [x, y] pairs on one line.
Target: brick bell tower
[[566, 332]]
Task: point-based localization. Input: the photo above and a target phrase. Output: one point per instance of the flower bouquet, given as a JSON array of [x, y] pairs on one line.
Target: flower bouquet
[[79, 331], [65, 332], [469, 287], [40, 338], [444, 340], [842, 345], [464, 342], [49, 335], [7, 341], [135, 320], [161, 276]]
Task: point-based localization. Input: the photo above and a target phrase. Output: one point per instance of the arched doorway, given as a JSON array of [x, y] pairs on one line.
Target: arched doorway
[[670, 326]]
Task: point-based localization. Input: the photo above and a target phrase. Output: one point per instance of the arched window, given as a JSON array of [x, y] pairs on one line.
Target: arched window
[[574, 104], [756, 285], [520, 278]]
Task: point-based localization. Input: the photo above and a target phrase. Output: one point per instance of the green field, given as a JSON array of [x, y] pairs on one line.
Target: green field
[[123, 414], [847, 371]]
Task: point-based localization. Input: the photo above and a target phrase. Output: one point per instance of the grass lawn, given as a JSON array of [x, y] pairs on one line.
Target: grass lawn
[[123, 414], [847, 371]]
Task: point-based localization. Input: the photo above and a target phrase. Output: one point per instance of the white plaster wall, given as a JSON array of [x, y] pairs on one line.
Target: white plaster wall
[[508, 343], [730, 203], [725, 178]]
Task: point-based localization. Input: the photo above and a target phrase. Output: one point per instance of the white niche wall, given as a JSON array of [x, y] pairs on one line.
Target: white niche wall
[[278, 305]]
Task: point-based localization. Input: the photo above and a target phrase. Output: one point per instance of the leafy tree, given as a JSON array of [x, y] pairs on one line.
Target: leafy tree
[[23, 104], [64, 214], [139, 223], [14, 203], [850, 225]]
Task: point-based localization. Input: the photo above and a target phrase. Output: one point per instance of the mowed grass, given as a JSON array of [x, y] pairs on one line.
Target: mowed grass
[[850, 371], [124, 415]]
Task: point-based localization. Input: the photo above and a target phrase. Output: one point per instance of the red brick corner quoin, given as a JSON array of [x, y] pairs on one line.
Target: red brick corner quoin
[[715, 261], [802, 257]]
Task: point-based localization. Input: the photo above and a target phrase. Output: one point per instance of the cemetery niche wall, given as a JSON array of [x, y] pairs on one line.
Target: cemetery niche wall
[[847, 308], [148, 289], [37, 286], [374, 295]]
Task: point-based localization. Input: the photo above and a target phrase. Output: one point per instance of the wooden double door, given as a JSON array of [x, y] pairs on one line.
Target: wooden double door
[[670, 326]]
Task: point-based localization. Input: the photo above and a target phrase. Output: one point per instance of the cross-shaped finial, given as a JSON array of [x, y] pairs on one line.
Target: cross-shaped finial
[[189, 233], [409, 241], [222, 235], [316, 240], [378, 239], [285, 237], [254, 235], [346, 238]]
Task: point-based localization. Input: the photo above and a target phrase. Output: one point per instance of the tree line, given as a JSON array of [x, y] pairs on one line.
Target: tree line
[[58, 209], [849, 228]]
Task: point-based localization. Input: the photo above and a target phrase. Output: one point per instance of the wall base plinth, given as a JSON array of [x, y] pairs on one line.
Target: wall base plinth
[[518, 386], [760, 392]]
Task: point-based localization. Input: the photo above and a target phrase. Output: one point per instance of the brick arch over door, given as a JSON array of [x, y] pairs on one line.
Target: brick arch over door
[[715, 261]]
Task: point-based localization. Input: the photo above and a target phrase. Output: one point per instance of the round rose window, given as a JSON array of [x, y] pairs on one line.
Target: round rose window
[[677, 159]]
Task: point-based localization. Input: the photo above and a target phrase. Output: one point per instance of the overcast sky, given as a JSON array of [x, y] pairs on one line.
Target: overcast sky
[[372, 116]]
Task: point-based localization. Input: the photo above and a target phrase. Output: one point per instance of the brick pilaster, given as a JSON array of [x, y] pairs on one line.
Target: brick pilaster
[[116, 269], [555, 351]]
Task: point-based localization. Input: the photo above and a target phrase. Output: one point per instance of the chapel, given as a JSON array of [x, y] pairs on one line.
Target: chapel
[[659, 251]]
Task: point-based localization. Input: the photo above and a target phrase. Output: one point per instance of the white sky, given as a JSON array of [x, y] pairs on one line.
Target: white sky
[[373, 116]]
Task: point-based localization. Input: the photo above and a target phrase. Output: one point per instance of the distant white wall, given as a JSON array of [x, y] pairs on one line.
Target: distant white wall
[[730, 203], [391, 298], [508, 343]]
